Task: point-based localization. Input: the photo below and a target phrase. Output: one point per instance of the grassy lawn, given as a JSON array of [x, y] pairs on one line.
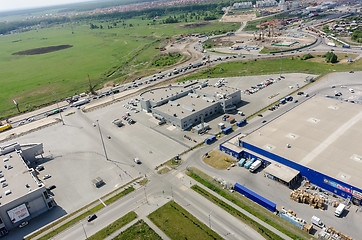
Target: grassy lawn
[[248, 205], [261, 67], [113, 227], [138, 231], [163, 170], [218, 160], [177, 223], [105, 54]]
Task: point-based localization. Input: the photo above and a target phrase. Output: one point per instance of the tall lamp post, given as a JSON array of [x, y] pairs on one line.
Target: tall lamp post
[[104, 147], [55, 97]]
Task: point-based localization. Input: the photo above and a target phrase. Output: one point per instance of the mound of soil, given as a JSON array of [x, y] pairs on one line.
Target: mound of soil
[[195, 25], [42, 50]]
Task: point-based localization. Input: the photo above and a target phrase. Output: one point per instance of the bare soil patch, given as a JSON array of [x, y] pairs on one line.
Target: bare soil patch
[[218, 160], [195, 25], [43, 50]]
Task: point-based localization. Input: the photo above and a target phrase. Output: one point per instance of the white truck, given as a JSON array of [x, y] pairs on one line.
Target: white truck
[[255, 165], [339, 210], [317, 221]]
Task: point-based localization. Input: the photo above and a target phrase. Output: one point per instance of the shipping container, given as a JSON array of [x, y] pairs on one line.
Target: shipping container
[[210, 139], [230, 119], [255, 197], [227, 130]]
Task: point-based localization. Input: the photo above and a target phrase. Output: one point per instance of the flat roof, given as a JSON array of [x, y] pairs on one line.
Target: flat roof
[[281, 171], [324, 134], [164, 92], [212, 90], [183, 106], [16, 177]]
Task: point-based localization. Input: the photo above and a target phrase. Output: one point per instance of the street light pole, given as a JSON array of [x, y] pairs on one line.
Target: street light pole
[[281, 57], [104, 147], [84, 232], [61, 117]]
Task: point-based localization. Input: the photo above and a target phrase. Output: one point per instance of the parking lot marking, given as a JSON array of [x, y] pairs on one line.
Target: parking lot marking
[[180, 175], [171, 128], [102, 202]]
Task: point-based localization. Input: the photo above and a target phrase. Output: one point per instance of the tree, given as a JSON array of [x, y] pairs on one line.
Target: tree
[[331, 57]]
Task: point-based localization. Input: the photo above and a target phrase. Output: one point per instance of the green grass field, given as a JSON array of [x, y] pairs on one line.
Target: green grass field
[[139, 231], [262, 67], [113, 227], [177, 223], [105, 54]]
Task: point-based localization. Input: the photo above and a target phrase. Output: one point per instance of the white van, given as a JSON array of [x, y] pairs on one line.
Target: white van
[[339, 210], [317, 221]]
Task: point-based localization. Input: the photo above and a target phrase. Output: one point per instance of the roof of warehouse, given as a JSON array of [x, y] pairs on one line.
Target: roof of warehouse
[[16, 177], [324, 134], [185, 104]]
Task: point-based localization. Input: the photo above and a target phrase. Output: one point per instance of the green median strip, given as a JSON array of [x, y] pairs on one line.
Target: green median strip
[[76, 219], [177, 223], [266, 233], [248, 205], [113, 227], [139, 231]]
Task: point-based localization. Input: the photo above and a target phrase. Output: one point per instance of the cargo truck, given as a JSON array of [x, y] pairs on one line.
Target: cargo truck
[[249, 163], [79, 103], [227, 130], [242, 162], [210, 139], [255, 165], [339, 210]]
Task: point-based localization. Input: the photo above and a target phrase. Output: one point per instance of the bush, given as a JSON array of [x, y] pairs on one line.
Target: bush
[[306, 56], [330, 57]]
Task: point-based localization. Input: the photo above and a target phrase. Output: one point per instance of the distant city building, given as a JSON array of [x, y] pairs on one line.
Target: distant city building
[[243, 5], [282, 6], [189, 103], [24, 195], [266, 3]]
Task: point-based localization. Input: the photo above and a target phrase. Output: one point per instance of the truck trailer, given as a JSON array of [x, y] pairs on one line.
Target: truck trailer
[[255, 165], [249, 163], [339, 210]]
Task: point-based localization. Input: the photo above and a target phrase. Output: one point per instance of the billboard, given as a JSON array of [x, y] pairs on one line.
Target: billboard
[[19, 213]]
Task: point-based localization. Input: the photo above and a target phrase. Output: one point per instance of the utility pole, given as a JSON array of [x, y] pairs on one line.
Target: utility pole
[[281, 57], [104, 147], [61, 117]]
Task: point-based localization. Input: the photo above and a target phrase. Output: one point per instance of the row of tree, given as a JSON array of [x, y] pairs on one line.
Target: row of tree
[[213, 7]]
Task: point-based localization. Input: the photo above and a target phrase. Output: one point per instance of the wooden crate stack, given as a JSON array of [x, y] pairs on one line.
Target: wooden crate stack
[[334, 232], [301, 196]]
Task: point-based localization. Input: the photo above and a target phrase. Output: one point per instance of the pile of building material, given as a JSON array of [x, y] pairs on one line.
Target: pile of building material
[[301, 196], [331, 233]]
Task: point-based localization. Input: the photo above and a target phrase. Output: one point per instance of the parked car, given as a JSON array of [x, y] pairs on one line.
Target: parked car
[[40, 168], [46, 176], [137, 160], [51, 187], [91, 217]]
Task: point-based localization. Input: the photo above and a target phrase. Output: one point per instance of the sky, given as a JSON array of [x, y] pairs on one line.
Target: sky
[[6, 5]]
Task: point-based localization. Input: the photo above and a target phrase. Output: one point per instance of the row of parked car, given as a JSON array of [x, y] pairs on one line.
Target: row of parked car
[[254, 89]]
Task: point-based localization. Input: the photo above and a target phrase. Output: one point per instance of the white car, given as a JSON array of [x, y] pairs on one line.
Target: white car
[[137, 160], [351, 90], [46, 176]]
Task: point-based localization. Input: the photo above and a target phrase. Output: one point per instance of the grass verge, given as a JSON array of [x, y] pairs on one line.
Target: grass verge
[[119, 195], [251, 207], [111, 228], [138, 231], [266, 233], [262, 67], [177, 223]]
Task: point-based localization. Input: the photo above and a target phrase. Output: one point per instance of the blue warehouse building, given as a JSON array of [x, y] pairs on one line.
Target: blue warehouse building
[[318, 140]]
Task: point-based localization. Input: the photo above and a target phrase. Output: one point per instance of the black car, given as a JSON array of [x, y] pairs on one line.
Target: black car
[[91, 217], [51, 187], [260, 115]]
